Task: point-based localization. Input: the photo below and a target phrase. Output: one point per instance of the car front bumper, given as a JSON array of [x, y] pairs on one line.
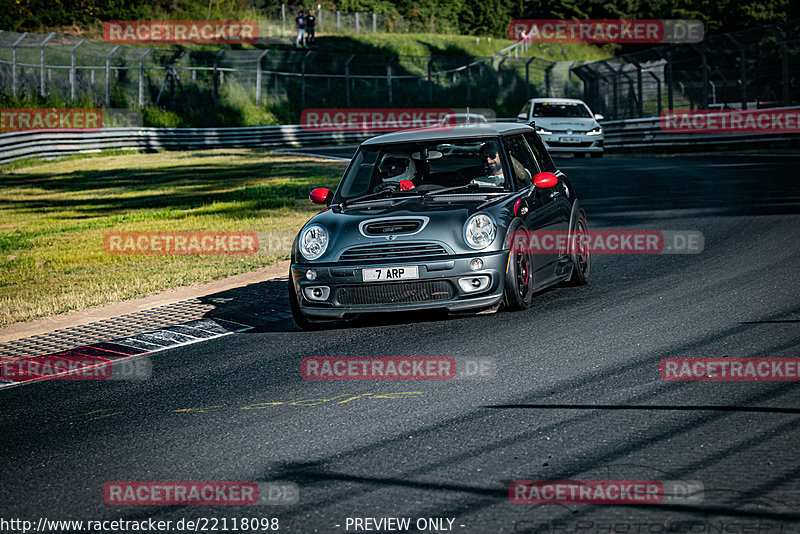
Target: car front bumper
[[437, 287], [587, 143]]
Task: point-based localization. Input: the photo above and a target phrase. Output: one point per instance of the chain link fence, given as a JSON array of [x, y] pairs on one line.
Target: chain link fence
[[748, 69], [331, 21], [71, 69]]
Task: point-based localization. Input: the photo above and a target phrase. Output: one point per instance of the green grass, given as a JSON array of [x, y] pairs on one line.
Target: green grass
[[423, 44], [54, 216]]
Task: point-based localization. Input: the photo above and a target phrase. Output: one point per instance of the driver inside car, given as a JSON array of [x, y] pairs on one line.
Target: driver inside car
[[492, 166], [396, 170]]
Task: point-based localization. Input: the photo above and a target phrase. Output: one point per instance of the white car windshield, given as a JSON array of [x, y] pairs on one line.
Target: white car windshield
[[551, 109], [427, 167]]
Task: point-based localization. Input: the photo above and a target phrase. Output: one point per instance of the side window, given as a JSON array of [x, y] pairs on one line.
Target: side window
[[542, 156], [527, 109], [523, 165]]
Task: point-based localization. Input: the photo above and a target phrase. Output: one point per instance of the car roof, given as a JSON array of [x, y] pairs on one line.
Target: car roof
[[448, 133], [557, 100]]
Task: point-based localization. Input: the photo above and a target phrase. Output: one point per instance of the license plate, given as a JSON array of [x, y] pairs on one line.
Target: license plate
[[390, 274], [570, 139]]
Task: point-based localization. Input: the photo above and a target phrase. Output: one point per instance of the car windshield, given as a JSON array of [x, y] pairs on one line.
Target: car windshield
[[426, 167], [551, 109]]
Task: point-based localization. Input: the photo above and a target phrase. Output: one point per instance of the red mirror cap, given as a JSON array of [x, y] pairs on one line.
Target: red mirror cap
[[545, 180], [320, 195]]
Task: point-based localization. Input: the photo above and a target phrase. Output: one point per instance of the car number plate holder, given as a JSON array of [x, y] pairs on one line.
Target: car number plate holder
[[570, 139], [390, 274]]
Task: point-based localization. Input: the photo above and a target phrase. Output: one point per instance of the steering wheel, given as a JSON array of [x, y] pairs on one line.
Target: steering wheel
[[387, 185]]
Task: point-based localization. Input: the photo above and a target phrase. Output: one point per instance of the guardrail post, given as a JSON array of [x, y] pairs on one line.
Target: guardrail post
[[338, 20], [469, 80], [742, 68], [347, 78], [430, 85], [215, 79], [108, 75], [141, 77], [73, 72], [42, 64], [784, 65], [389, 77], [658, 84], [319, 17], [374, 23], [704, 67], [358, 28], [303, 79], [616, 92], [547, 78], [258, 77], [528, 78], [14, 63], [639, 86], [500, 79]]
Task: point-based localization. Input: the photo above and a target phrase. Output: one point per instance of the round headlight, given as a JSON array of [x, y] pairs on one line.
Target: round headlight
[[479, 231], [313, 242]]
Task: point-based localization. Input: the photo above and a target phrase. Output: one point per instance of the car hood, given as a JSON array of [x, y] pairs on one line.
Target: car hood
[[441, 222], [566, 123]]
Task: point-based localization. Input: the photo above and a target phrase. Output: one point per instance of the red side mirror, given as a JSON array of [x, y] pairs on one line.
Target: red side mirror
[[545, 180], [321, 195]]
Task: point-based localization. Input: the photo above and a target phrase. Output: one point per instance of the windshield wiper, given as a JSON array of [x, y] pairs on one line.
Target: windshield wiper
[[470, 187], [385, 192]]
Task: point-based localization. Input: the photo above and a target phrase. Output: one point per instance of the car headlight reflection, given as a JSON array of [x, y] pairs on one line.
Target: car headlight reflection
[[596, 131], [313, 242], [479, 231], [542, 131]]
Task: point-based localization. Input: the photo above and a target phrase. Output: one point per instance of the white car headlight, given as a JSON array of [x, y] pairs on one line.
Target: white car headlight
[[479, 231], [596, 131], [313, 242]]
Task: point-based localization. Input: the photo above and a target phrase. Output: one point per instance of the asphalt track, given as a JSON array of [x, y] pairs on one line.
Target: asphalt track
[[576, 392]]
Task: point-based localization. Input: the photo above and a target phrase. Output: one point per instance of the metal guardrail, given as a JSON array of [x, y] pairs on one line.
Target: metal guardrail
[[627, 134]]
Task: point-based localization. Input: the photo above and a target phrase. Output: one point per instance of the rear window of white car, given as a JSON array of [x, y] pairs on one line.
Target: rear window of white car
[[551, 109]]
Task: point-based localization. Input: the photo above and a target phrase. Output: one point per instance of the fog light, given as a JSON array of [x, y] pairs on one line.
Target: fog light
[[311, 274], [317, 293], [475, 264], [471, 284]]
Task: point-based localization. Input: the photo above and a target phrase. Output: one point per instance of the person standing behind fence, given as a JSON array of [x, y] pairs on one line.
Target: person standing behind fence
[[300, 20], [311, 24]]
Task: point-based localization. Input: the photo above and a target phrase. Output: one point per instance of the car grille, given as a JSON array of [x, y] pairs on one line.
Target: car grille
[[576, 145], [397, 293], [394, 252], [391, 227]]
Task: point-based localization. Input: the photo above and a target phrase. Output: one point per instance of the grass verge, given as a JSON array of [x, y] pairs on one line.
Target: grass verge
[[54, 216]]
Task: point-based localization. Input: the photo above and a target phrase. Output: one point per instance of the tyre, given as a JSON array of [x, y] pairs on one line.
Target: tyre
[[297, 314], [518, 292], [581, 255]]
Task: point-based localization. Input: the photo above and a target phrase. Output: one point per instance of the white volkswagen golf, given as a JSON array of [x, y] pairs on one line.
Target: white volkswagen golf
[[565, 125]]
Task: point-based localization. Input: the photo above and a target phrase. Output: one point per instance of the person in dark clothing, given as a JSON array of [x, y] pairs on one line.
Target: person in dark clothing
[[300, 21], [311, 23]]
